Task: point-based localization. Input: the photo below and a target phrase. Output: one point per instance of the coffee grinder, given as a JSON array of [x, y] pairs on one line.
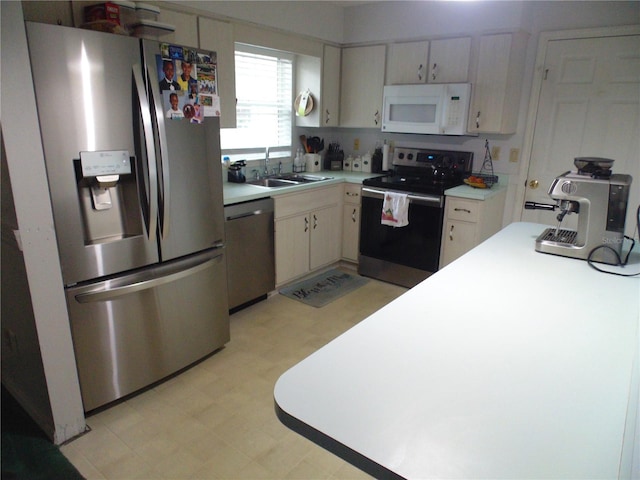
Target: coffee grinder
[[599, 198]]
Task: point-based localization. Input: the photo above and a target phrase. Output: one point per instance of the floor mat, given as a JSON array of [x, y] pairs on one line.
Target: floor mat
[[26, 451], [323, 289]]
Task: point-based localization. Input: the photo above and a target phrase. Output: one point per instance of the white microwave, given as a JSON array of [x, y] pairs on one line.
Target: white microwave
[[438, 109]]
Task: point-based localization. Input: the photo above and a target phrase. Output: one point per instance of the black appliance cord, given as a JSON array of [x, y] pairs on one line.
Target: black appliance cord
[[620, 262]]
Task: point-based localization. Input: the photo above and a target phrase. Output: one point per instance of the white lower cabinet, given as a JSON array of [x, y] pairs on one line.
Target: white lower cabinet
[[351, 222], [324, 236], [308, 231], [469, 222]]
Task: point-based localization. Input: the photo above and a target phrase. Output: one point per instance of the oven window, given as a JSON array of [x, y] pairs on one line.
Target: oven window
[[417, 245]]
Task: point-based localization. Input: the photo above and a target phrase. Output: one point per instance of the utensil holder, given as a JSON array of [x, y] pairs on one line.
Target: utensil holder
[[313, 162]]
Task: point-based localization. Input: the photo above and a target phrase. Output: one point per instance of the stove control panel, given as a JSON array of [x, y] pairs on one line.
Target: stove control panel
[[431, 159]]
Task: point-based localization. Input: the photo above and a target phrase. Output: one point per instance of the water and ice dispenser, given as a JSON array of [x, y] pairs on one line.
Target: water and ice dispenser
[[108, 196]]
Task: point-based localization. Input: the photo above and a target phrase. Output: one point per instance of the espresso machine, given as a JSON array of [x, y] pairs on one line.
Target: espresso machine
[[599, 198]]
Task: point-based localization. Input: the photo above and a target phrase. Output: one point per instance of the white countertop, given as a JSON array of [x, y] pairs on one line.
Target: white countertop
[[507, 363], [466, 191], [242, 192]]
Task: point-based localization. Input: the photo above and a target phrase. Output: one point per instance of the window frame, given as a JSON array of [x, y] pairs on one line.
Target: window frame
[[257, 153]]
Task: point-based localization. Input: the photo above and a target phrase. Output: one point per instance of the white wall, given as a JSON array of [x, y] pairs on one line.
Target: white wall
[[25, 161], [404, 20], [319, 19]]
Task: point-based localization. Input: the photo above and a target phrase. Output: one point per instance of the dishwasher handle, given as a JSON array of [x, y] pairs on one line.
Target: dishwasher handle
[[248, 209], [246, 214]]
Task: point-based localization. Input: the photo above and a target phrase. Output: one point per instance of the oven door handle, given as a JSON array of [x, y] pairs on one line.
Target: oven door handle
[[432, 201]]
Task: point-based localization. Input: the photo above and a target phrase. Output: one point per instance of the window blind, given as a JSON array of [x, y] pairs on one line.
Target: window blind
[[264, 94]]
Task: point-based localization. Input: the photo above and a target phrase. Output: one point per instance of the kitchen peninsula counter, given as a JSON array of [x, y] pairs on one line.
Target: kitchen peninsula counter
[[507, 363]]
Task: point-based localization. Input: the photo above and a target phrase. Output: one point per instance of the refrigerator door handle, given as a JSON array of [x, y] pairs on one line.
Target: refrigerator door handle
[[144, 280], [145, 112], [165, 192]]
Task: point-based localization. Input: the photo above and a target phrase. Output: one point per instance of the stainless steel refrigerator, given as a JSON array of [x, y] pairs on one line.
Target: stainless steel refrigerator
[[137, 203]]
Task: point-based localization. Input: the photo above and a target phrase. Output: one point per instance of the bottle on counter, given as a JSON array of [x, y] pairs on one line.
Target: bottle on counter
[[347, 164], [366, 162], [385, 157]]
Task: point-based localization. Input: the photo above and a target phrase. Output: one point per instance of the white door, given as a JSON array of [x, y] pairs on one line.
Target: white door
[[589, 106]]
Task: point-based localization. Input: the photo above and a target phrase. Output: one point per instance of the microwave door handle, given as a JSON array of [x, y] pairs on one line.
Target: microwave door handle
[[145, 113], [163, 154]]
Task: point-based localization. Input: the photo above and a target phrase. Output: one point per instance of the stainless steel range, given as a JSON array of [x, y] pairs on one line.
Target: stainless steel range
[[407, 255]]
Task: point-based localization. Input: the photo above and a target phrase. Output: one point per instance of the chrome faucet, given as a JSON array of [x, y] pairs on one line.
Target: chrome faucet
[[266, 162]]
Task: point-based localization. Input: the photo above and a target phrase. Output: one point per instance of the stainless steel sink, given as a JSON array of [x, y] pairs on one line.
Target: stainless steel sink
[[287, 180], [303, 177], [273, 183]]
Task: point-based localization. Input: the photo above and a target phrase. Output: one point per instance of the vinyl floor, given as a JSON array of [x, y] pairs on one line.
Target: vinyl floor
[[217, 420]]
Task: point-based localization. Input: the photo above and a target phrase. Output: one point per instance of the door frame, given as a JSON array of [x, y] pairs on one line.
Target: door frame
[[536, 87]]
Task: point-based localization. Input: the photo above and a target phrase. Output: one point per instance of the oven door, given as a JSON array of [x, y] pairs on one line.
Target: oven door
[[402, 255]]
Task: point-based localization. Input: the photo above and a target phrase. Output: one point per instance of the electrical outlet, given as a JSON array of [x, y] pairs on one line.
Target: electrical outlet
[[495, 153], [356, 144], [514, 155]]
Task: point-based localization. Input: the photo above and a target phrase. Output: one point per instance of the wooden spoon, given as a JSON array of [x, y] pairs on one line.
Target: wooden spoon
[[303, 139]]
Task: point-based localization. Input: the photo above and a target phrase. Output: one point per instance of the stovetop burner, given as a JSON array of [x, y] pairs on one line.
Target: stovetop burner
[[425, 171]]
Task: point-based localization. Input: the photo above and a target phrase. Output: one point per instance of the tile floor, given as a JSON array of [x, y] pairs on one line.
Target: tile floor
[[217, 420]]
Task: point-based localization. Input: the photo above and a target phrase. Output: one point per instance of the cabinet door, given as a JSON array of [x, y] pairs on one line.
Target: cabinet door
[[217, 36], [407, 63], [330, 87], [326, 238], [361, 86], [292, 247], [457, 239], [186, 25], [350, 232], [449, 60], [496, 95]]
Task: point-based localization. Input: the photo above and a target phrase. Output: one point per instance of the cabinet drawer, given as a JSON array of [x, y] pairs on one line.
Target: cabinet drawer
[[465, 210], [352, 193], [295, 203]]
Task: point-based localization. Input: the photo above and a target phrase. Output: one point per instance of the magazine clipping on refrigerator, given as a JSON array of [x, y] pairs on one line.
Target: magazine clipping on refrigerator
[[189, 83]]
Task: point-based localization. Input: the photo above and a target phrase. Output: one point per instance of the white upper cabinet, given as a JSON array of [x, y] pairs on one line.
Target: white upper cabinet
[[330, 86], [436, 61], [449, 60], [217, 36], [407, 63], [361, 86], [497, 86]]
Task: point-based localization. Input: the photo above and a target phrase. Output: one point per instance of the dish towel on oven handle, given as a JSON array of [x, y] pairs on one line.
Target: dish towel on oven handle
[[395, 209]]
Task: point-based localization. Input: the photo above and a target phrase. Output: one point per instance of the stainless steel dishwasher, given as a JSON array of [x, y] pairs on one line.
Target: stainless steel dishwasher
[[250, 251]]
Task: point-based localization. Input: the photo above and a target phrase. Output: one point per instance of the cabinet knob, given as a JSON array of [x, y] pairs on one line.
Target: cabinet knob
[[451, 233], [434, 72], [533, 184], [315, 222], [306, 224], [420, 72], [376, 117], [327, 116], [478, 120], [353, 216]]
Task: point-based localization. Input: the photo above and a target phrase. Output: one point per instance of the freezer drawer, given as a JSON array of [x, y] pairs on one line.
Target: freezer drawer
[[133, 330]]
